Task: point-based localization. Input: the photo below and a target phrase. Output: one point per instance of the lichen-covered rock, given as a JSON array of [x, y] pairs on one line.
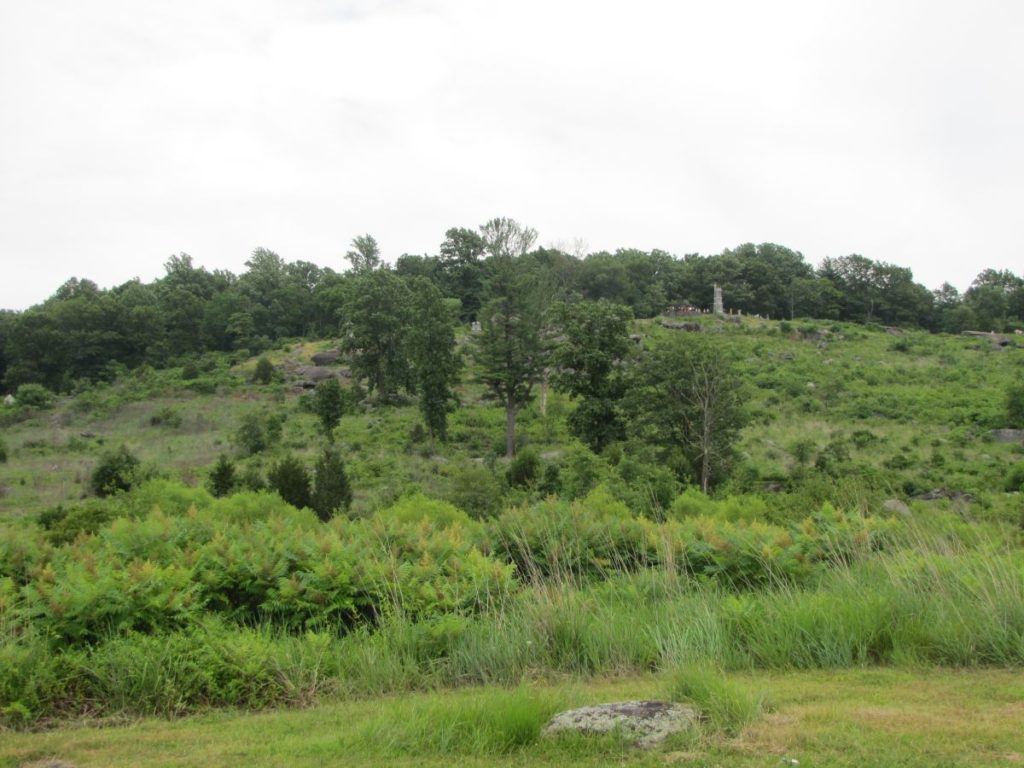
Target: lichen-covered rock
[[648, 722], [328, 357], [315, 373]]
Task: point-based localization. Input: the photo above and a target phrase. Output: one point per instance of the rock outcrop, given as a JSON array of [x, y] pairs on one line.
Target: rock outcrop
[[648, 723], [329, 357]]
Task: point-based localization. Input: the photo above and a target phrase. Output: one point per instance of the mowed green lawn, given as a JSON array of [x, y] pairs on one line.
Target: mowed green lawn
[[877, 717]]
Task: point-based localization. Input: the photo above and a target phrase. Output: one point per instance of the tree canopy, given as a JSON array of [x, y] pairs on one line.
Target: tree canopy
[[87, 333]]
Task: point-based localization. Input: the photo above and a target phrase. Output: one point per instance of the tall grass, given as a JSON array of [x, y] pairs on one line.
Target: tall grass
[[725, 706], [492, 722], [937, 602]]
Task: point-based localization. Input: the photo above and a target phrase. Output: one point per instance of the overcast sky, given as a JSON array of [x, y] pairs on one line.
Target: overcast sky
[[131, 130]]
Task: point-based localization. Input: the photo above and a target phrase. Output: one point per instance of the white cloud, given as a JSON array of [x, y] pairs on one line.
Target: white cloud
[[132, 130]]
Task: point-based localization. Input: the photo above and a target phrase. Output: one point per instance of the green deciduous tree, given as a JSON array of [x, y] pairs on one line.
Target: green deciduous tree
[[116, 471], [629, 276], [686, 398], [329, 405], [996, 300], [462, 269], [251, 435], [364, 254], [511, 349], [587, 363], [876, 291], [435, 362], [507, 238], [377, 328]]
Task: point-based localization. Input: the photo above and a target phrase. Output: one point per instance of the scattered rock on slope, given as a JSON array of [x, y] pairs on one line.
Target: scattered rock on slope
[[1007, 435], [895, 507], [328, 357]]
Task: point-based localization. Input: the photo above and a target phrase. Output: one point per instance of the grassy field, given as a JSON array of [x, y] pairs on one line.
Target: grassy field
[[877, 717]]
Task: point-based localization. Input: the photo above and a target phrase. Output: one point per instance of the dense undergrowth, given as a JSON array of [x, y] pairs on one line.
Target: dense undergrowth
[[248, 602]]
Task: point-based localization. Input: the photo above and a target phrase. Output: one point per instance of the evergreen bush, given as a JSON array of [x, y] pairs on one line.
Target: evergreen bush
[[331, 490], [290, 479], [222, 478]]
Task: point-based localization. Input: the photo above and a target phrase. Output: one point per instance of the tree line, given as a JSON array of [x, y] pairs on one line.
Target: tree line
[[83, 332]]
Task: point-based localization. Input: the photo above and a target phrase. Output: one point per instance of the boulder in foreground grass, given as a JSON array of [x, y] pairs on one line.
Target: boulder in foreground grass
[[649, 723]]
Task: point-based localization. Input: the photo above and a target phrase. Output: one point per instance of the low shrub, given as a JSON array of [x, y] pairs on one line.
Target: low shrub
[[33, 396], [415, 508], [251, 435], [692, 503], [264, 371], [166, 417], [524, 470], [117, 470], [475, 489], [65, 524]]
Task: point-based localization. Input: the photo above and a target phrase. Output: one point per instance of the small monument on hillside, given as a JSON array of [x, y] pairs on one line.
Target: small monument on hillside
[[719, 307]]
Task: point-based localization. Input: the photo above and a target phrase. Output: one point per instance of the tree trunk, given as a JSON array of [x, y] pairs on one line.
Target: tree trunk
[[705, 459], [707, 400], [510, 429]]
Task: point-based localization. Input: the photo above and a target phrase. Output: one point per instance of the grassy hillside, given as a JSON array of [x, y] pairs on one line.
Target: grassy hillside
[[836, 410], [871, 520]]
